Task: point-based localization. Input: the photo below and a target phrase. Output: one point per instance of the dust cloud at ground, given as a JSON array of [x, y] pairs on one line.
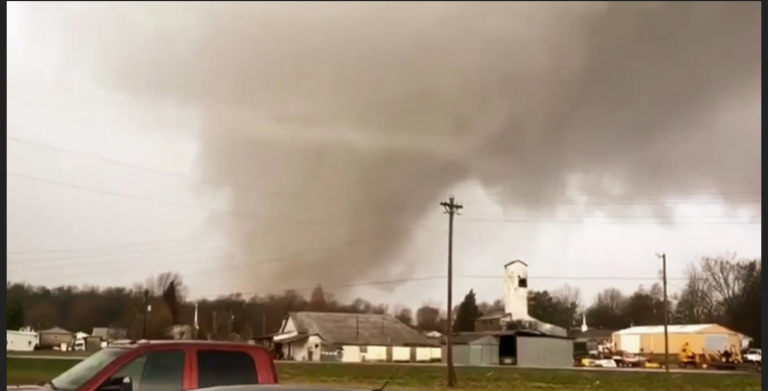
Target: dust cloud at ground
[[337, 125]]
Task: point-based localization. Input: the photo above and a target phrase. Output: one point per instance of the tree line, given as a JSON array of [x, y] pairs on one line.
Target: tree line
[[721, 290]]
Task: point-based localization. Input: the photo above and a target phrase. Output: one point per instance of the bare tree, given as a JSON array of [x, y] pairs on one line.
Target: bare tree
[[567, 295], [428, 318], [608, 310], [729, 280], [695, 303], [156, 285], [405, 315], [568, 299]]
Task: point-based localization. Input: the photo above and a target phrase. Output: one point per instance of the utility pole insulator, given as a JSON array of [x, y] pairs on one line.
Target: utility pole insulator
[[451, 208]]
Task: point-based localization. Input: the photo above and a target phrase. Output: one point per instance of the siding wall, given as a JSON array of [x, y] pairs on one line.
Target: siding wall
[[377, 353], [461, 355], [423, 354], [476, 355], [401, 354], [544, 352], [300, 350], [55, 340], [351, 354], [488, 324], [331, 354], [20, 342], [437, 354]]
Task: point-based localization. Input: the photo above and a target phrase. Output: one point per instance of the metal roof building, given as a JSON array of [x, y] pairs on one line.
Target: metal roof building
[[55, 337], [700, 337], [330, 336], [532, 349]]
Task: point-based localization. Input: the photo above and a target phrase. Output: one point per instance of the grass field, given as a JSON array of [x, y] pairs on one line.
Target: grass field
[[432, 378]]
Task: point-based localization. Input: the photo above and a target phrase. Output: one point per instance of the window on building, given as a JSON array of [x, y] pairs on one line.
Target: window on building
[[363, 349], [225, 368], [155, 371], [522, 282]]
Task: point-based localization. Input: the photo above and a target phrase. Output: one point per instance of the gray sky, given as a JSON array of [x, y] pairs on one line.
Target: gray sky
[[256, 148]]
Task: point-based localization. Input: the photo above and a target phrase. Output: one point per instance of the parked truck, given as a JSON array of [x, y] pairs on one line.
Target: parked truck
[[179, 365]]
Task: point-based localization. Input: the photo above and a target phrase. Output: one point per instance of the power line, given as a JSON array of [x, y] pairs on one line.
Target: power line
[[325, 287], [713, 195], [753, 197], [413, 279], [231, 245], [218, 269], [63, 254], [405, 280], [99, 248], [131, 196], [110, 257], [248, 216], [628, 222], [144, 168], [582, 278], [629, 203]]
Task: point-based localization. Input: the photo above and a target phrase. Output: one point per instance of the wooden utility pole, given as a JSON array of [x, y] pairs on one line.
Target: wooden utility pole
[[146, 313], [195, 325], [213, 325], [263, 324], [666, 310], [357, 328], [230, 319], [451, 208]]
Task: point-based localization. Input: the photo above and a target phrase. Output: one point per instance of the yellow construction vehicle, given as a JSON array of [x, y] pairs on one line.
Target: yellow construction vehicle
[[687, 358], [729, 359], [726, 359]]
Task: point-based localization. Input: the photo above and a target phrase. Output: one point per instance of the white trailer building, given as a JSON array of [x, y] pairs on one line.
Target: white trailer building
[[21, 341]]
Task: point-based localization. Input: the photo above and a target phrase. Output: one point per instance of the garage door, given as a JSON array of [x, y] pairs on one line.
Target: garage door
[[401, 354], [350, 354], [630, 343]]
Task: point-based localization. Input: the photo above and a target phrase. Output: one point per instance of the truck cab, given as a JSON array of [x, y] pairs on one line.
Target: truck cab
[[168, 366], [753, 355]]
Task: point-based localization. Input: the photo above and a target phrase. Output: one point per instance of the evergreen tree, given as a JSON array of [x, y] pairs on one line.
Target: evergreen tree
[[467, 314], [14, 315], [317, 301]]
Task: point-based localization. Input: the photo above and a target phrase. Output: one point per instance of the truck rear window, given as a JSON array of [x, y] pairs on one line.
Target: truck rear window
[[225, 368]]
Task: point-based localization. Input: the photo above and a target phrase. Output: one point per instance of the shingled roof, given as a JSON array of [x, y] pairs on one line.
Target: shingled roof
[[55, 330], [358, 329]]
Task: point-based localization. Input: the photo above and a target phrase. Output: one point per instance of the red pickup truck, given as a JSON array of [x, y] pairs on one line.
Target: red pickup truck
[[167, 366]]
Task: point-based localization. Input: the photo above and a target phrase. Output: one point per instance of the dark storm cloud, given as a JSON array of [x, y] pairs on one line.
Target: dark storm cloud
[[362, 115]]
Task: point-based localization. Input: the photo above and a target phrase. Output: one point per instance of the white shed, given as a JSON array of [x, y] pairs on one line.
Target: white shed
[[21, 341]]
